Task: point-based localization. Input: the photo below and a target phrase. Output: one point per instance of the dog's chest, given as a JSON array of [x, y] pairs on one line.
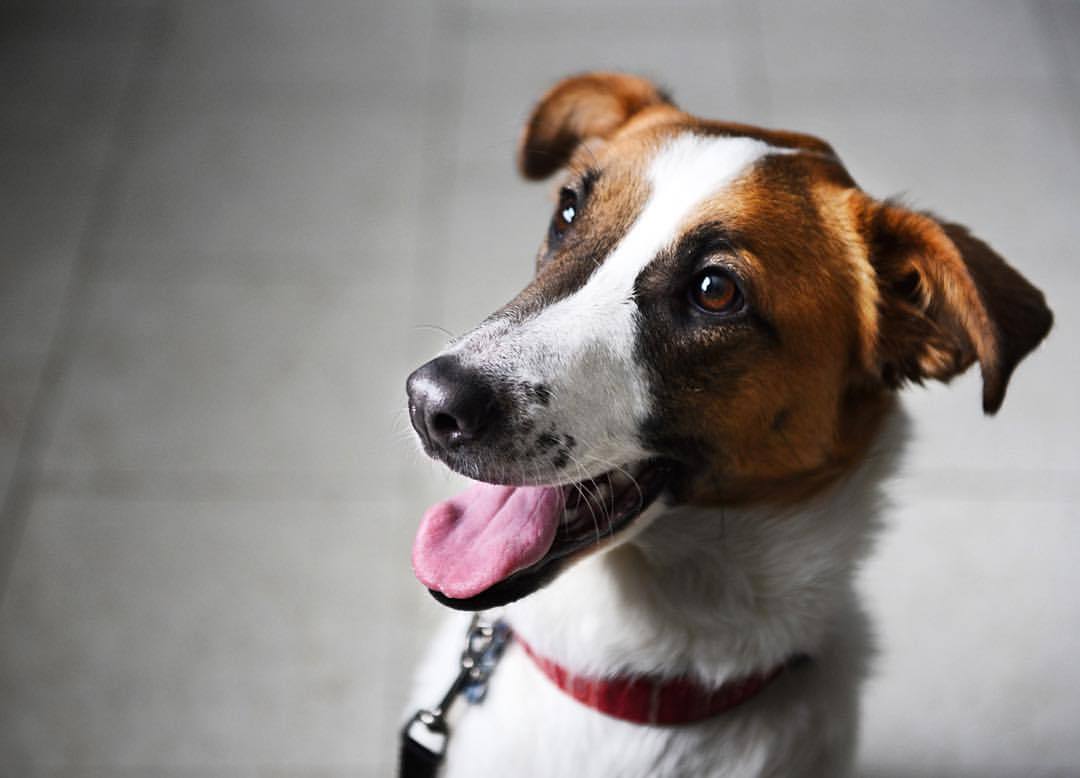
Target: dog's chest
[[526, 726]]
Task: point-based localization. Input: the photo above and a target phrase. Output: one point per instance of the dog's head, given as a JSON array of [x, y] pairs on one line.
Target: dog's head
[[719, 315]]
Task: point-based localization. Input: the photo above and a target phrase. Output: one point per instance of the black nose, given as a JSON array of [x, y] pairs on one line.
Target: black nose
[[450, 405]]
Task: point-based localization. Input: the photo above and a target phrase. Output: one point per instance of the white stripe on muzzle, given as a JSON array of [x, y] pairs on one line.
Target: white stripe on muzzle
[[582, 346]]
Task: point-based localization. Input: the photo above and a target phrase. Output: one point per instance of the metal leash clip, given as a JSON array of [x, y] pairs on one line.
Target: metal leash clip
[[424, 738]]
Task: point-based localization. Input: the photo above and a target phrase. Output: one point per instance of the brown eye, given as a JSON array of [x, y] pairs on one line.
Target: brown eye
[[714, 291], [565, 212]]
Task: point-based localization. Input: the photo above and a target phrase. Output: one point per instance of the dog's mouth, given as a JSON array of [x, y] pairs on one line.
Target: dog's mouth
[[493, 544]]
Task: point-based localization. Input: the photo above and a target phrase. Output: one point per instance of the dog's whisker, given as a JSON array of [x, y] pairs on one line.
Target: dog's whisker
[[435, 327], [627, 474], [596, 488], [579, 485]]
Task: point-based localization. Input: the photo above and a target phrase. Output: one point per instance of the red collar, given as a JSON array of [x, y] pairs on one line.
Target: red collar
[[651, 699]]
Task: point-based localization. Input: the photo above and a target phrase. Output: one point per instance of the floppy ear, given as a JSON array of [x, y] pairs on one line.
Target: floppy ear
[[947, 299], [592, 105]]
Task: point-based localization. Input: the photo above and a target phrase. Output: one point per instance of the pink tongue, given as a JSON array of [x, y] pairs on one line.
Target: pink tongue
[[471, 542]]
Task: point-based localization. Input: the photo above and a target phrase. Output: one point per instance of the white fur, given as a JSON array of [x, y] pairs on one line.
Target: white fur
[[713, 593], [717, 593], [582, 346]]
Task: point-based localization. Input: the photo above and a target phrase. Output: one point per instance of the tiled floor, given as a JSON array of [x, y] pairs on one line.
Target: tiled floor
[[229, 229]]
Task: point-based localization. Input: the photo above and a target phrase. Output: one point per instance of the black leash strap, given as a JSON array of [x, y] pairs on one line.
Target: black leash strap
[[424, 738]]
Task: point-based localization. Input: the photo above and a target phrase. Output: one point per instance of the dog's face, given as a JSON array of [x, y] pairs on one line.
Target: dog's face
[[718, 315], [669, 317]]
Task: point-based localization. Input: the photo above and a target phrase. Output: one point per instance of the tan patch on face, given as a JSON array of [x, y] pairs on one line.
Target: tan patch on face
[[793, 418]]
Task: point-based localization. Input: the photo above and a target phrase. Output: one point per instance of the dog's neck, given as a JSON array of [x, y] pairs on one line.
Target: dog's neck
[[715, 593]]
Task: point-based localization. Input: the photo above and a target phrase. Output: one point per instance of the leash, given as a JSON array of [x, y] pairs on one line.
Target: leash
[[424, 738]]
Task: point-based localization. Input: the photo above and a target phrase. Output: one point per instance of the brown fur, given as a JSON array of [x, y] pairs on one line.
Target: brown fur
[[948, 299], [593, 105], [781, 415], [851, 297]]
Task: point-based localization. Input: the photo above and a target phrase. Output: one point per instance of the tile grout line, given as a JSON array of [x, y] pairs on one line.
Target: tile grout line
[[23, 485]]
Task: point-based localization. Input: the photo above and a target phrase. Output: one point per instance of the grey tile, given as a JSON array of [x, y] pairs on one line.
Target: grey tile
[[278, 382], [285, 170], [62, 79], [384, 258], [632, 11], [202, 636], [282, 42], [31, 305], [63, 76], [18, 386], [495, 225], [844, 44], [1009, 481], [64, 67], [47, 196], [977, 632], [1061, 22]]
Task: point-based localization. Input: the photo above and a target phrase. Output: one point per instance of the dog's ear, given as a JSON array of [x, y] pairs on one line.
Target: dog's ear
[[592, 105], [947, 299]]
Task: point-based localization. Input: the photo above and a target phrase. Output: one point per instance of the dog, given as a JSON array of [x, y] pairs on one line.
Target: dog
[[678, 433]]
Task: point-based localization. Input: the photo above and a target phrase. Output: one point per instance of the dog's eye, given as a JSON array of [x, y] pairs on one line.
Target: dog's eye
[[715, 291], [565, 212]]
